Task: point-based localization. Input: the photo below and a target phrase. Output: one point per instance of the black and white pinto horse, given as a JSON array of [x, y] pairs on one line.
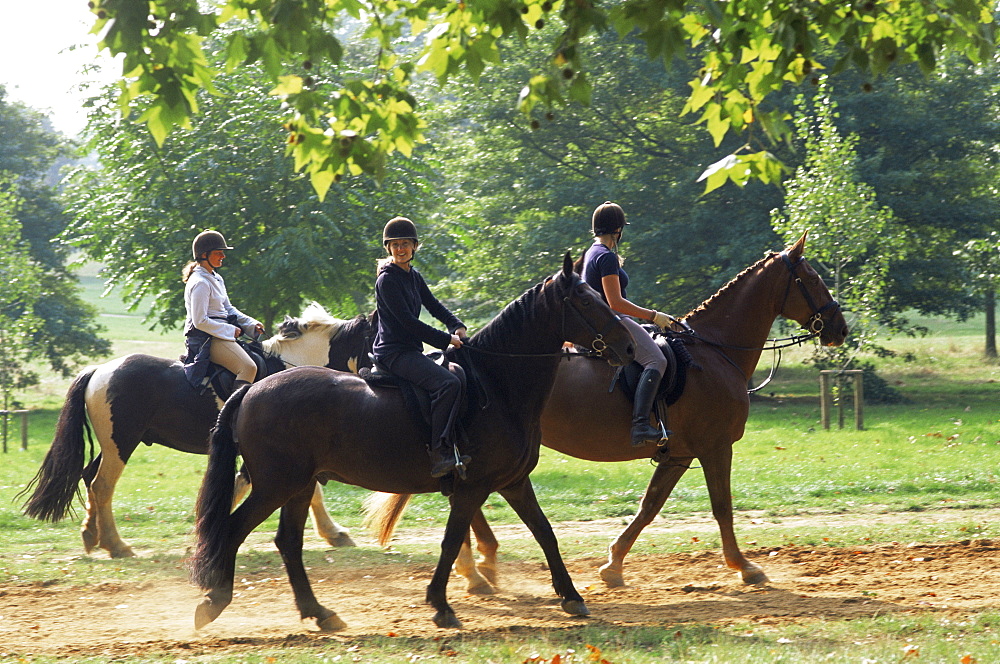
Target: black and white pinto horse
[[144, 399]]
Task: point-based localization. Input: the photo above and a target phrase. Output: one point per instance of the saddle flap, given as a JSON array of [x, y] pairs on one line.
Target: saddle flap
[[418, 401]]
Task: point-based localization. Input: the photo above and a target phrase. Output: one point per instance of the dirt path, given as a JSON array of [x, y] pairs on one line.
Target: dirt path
[[807, 583]]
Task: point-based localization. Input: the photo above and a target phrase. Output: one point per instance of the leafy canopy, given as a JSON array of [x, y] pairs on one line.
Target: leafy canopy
[[747, 50], [140, 210]]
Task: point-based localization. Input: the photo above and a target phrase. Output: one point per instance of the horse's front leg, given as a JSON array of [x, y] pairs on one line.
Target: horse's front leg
[[331, 531], [663, 481], [464, 503], [291, 526], [718, 470], [521, 497]]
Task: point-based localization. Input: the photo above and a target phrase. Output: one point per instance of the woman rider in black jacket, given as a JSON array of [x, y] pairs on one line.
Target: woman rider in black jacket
[[400, 291]]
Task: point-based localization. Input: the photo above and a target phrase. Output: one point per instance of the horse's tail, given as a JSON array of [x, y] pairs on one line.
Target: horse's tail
[[215, 499], [382, 512], [57, 482]]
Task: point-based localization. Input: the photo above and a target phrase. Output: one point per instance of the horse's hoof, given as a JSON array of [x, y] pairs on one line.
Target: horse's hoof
[[489, 572], [575, 607], [753, 576], [612, 578], [89, 540], [206, 613], [331, 623], [342, 539], [482, 587], [125, 552], [447, 620]]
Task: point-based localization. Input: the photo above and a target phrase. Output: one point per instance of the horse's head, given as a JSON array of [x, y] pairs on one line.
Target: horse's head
[[808, 301], [587, 320], [318, 339]]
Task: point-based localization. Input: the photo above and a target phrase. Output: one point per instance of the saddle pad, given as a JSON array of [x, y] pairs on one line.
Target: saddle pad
[[674, 379]]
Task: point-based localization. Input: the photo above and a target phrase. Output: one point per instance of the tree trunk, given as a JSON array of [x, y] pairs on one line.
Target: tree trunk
[[991, 322]]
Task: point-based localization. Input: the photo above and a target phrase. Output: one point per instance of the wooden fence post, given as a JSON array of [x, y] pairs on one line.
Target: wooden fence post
[[826, 396], [5, 414]]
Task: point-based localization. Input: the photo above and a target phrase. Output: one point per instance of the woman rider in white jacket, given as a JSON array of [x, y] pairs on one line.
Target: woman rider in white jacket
[[211, 317]]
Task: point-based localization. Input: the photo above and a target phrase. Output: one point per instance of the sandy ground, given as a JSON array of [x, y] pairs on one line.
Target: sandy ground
[[806, 583]]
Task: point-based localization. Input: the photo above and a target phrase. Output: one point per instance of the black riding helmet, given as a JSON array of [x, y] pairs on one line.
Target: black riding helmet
[[206, 242], [608, 218], [399, 228]]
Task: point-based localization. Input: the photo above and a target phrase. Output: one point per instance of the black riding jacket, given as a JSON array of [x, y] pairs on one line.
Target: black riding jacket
[[399, 295]]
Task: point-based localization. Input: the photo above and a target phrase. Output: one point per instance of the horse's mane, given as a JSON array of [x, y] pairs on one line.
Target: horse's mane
[[512, 317], [732, 282], [314, 317]]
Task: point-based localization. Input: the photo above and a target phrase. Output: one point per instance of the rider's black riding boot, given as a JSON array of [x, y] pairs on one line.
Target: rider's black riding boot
[[442, 458], [645, 393]]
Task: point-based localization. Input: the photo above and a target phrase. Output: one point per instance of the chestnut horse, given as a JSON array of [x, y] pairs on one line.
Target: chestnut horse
[[725, 336], [302, 423], [141, 398]]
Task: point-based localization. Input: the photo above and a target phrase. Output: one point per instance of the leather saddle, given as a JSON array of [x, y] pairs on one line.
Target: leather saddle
[[221, 379], [418, 401]]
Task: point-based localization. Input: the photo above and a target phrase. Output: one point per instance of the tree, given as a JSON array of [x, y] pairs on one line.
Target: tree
[[545, 179], [21, 278], [747, 52], [851, 237], [30, 151], [139, 213], [928, 145], [982, 255]]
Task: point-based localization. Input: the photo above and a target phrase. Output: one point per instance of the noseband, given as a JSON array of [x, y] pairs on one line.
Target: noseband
[[816, 323]]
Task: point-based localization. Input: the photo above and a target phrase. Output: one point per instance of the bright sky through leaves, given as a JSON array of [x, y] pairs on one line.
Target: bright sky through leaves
[[37, 64]]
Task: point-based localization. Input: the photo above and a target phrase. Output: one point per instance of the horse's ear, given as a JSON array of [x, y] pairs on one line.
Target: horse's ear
[[568, 264], [288, 318], [796, 250]]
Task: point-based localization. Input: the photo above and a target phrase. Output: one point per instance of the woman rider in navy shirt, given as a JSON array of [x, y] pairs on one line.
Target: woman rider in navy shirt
[[602, 270], [400, 291]]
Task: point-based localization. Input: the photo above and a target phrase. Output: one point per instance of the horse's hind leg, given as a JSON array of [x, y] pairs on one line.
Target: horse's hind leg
[[465, 566], [238, 526], [99, 528], [289, 541], [718, 468], [663, 481], [331, 531], [486, 544], [521, 497]]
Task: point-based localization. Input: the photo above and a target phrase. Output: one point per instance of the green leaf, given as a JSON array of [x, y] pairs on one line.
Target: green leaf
[[287, 85]]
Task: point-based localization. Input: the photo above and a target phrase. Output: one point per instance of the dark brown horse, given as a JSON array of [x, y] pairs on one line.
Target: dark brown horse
[[141, 398], [581, 419], [308, 422]]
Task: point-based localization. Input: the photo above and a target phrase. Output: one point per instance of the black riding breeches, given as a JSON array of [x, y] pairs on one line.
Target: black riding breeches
[[443, 387]]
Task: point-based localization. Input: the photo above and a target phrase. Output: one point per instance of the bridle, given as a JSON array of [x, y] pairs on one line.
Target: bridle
[[596, 347], [814, 324]]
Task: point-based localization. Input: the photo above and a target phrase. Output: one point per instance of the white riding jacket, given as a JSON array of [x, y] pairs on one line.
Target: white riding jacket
[[206, 300]]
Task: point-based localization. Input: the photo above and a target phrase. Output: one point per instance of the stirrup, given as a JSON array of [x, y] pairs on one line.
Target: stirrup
[[456, 463], [650, 435]]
